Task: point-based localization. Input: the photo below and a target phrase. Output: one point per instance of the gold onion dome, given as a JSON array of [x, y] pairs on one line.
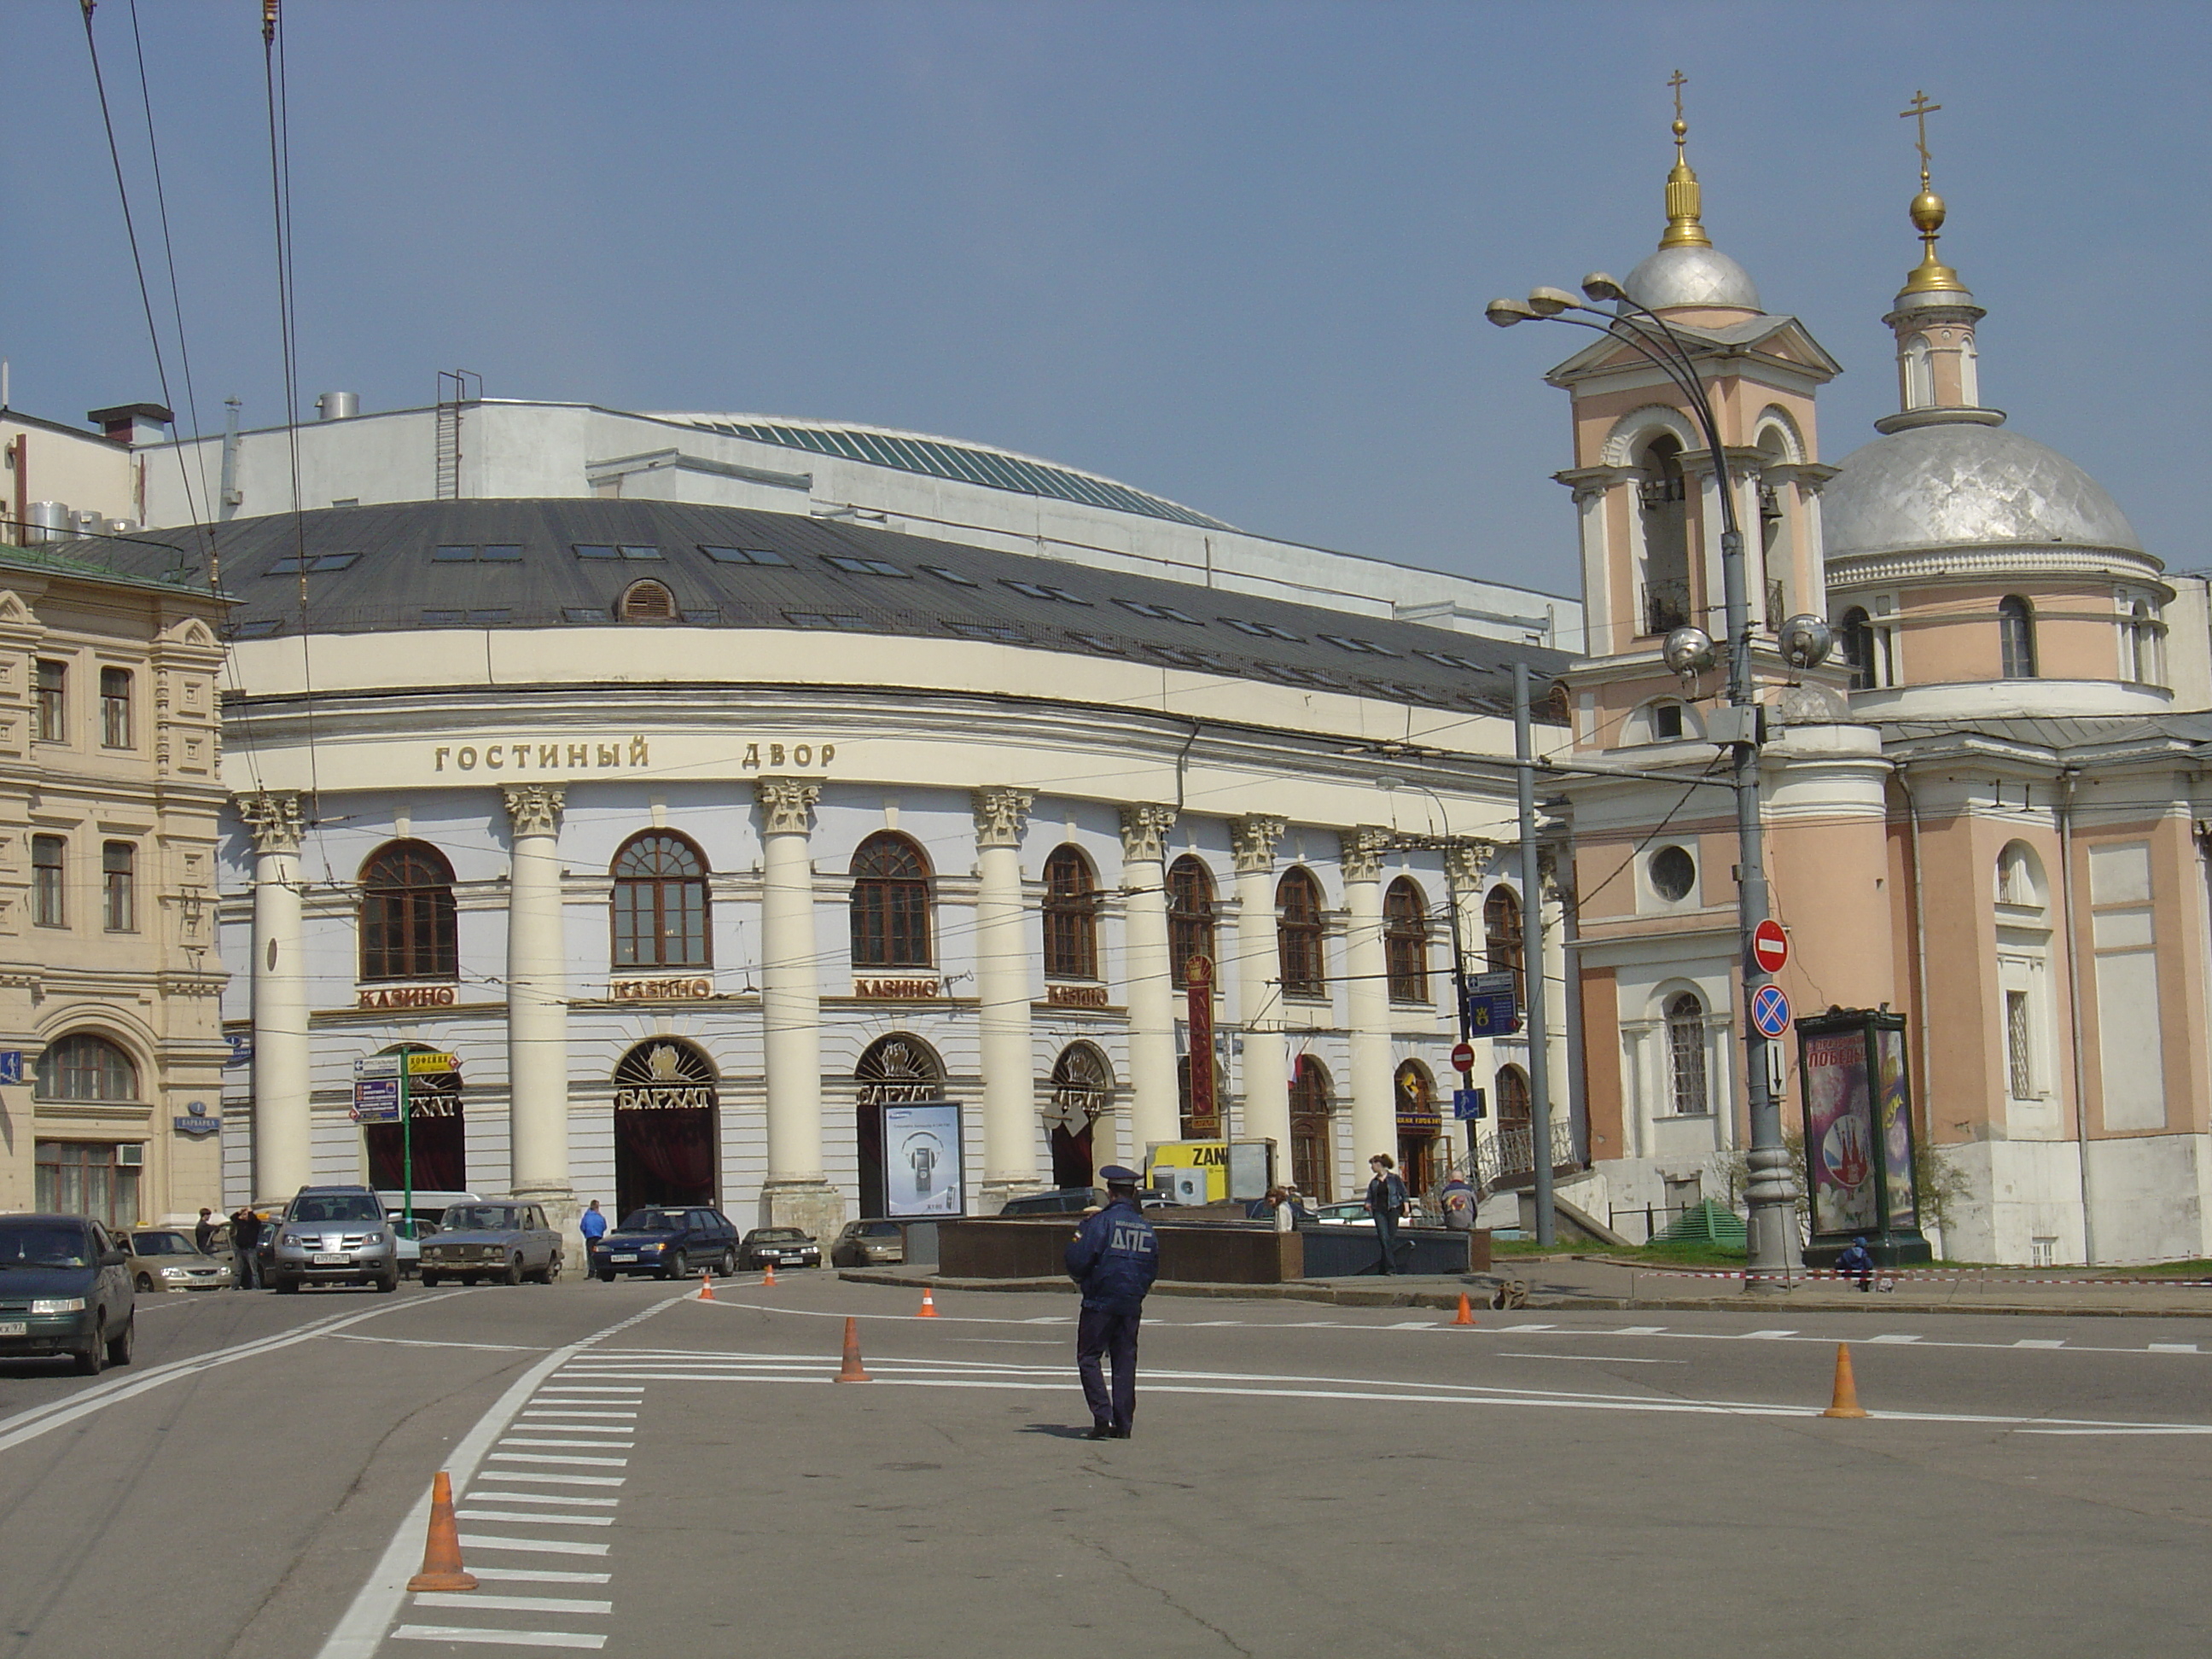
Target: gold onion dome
[[1687, 269]]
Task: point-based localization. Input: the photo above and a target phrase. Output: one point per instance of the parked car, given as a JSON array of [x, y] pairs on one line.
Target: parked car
[[166, 1259], [408, 1235], [334, 1235], [503, 1239], [65, 1288], [785, 1247], [1065, 1201], [668, 1242], [866, 1243], [1351, 1213]]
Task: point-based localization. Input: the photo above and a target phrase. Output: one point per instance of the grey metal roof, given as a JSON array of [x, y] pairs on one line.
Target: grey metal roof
[[935, 457], [514, 564], [1965, 485], [2060, 735]]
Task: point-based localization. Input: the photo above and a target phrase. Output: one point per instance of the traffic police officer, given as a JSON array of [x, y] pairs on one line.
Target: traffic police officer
[[1114, 1257]]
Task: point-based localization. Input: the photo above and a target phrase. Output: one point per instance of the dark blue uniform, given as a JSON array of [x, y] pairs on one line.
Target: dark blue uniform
[[1114, 1257]]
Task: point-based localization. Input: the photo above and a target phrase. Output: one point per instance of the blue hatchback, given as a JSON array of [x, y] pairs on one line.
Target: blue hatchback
[[668, 1242]]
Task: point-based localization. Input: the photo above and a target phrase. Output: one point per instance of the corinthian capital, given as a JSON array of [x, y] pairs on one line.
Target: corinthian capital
[[1001, 812], [1362, 852], [1254, 840], [273, 816], [1467, 862], [534, 809], [1145, 833], [787, 804]]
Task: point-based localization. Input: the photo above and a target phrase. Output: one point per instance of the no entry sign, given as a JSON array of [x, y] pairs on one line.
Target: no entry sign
[[1463, 1056], [1770, 945]]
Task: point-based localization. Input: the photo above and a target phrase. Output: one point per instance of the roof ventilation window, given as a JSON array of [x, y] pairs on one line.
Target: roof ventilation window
[[706, 616], [610, 550], [953, 576], [1291, 676], [1398, 692], [1044, 591], [1159, 612], [314, 563], [843, 621], [1005, 633], [1183, 659], [495, 618], [582, 613], [488, 553], [260, 627], [1368, 648], [853, 564], [1099, 642], [1261, 630], [744, 555], [1445, 659], [646, 602]]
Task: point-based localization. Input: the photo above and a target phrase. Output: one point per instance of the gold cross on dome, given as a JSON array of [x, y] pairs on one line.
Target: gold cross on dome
[[1678, 82], [1920, 111]]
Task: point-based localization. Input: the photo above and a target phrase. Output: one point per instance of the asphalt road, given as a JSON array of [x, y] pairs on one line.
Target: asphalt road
[[649, 1475]]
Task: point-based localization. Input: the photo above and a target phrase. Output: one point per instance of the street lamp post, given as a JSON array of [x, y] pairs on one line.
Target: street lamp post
[[1770, 1194]]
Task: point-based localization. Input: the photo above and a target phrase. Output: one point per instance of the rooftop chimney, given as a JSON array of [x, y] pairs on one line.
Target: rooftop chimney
[[338, 405], [132, 424]]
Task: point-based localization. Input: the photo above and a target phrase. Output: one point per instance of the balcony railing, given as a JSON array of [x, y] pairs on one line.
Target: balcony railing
[[1508, 1158]]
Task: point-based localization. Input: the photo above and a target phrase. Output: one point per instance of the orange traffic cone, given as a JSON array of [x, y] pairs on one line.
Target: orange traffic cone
[[769, 1281], [1847, 1389], [441, 1551], [706, 1285], [928, 1305], [850, 1371], [1466, 1310]]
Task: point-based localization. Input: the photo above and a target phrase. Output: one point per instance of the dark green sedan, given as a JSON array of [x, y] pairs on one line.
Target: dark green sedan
[[65, 1288]]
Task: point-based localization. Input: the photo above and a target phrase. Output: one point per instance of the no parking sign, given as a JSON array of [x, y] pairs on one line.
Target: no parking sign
[[1769, 1011]]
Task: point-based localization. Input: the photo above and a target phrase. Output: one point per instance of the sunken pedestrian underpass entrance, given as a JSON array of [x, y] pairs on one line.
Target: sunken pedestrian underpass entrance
[[668, 1127]]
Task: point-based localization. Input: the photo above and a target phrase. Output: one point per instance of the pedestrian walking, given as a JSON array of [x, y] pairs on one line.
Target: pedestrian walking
[[1458, 1200], [1857, 1262], [592, 1224], [203, 1233], [1114, 1256], [1386, 1202], [244, 1235]]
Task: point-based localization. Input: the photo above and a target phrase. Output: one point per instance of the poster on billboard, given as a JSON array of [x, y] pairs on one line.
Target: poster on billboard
[[1839, 1143], [921, 1159], [1893, 1114]]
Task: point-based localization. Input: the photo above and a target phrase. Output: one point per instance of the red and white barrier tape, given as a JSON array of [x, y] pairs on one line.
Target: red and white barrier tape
[[1953, 1276]]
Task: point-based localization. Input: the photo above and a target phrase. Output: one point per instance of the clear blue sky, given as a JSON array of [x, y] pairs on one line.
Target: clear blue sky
[[1233, 253]]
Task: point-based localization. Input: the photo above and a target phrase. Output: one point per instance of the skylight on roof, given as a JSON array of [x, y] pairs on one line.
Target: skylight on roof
[[492, 618], [630, 551], [316, 563], [259, 629], [744, 555], [1260, 630], [486, 553], [1366, 648], [582, 613], [1112, 647], [853, 564], [1445, 659], [1184, 659], [1159, 612], [1005, 633], [843, 621], [1042, 591], [953, 576]]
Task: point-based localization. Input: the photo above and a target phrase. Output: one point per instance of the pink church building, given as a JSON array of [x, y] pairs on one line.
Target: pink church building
[[1987, 812]]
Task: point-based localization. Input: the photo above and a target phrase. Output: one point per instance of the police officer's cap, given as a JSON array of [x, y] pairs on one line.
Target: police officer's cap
[[1114, 1176]]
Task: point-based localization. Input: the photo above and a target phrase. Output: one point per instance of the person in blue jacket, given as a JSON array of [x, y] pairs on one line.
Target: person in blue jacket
[[1857, 1262], [1114, 1256]]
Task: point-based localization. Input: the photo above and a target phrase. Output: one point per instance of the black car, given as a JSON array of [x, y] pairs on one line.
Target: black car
[[668, 1242], [783, 1246], [1065, 1200], [65, 1288]]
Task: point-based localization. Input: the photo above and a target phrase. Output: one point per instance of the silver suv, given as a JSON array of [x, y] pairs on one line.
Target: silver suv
[[333, 1235]]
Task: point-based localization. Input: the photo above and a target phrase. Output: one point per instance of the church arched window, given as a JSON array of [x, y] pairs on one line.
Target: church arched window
[[1662, 496], [1855, 634], [1686, 1055], [1919, 374], [2016, 637]]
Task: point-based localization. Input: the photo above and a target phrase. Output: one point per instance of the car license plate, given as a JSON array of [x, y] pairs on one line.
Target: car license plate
[[331, 1258], [623, 1256], [15, 1327]]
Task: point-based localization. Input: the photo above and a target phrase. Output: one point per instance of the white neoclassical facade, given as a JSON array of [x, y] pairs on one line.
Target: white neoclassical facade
[[731, 828]]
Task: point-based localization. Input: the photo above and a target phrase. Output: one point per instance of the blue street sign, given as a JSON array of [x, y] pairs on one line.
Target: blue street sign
[[11, 1065], [1493, 1010], [376, 1100], [1769, 1011], [1469, 1103]]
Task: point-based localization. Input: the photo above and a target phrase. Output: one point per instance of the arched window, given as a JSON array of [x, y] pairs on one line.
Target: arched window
[[2019, 877], [1502, 941], [1855, 634], [1406, 940], [1071, 916], [1313, 1159], [2142, 629], [1662, 494], [1686, 1055], [1970, 373], [660, 903], [2016, 637], [1082, 1089], [1190, 915], [1298, 935], [83, 1066], [891, 903], [1920, 377], [1513, 1111], [407, 924], [646, 602]]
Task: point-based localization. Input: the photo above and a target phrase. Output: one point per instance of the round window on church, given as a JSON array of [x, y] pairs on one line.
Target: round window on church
[[1673, 874]]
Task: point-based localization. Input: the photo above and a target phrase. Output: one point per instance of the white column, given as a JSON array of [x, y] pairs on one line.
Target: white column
[[1266, 1070], [1373, 1103], [1003, 953], [1154, 1112], [791, 1011], [536, 999], [282, 1128]]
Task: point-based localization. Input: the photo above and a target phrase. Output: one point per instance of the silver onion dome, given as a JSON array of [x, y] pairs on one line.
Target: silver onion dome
[[1960, 484], [1691, 275]]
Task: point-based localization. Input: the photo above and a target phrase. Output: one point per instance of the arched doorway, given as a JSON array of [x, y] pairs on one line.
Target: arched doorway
[[667, 1126], [895, 1071], [1420, 1123], [1313, 1139], [1082, 1089], [434, 1140]]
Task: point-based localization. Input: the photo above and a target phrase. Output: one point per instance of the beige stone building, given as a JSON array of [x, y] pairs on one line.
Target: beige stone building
[[109, 745]]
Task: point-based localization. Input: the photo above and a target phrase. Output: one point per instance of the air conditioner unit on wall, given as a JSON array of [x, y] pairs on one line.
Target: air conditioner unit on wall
[[130, 1153]]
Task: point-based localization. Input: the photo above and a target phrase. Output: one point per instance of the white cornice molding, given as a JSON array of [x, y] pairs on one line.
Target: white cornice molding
[[1920, 566]]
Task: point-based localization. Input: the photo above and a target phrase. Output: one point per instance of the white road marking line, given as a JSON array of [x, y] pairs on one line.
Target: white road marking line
[[1766, 1336], [561, 1480], [1594, 1358], [557, 1459], [418, 1342], [1510, 1330], [509, 1639], [511, 1603], [539, 1498], [2040, 1342], [1415, 1325], [540, 1576], [529, 1546], [361, 1630], [2172, 1347], [1893, 1339], [576, 1412], [1638, 1330], [610, 1445], [537, 1520]]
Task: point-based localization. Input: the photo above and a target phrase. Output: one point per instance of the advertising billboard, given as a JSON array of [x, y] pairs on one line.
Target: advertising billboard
[[922, 1173], [1840, 1147], [1859, 1136]]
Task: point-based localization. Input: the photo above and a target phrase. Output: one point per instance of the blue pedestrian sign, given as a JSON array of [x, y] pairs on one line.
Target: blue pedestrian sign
[[1469, 1103], [1769, 1011], [11, 1065]]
